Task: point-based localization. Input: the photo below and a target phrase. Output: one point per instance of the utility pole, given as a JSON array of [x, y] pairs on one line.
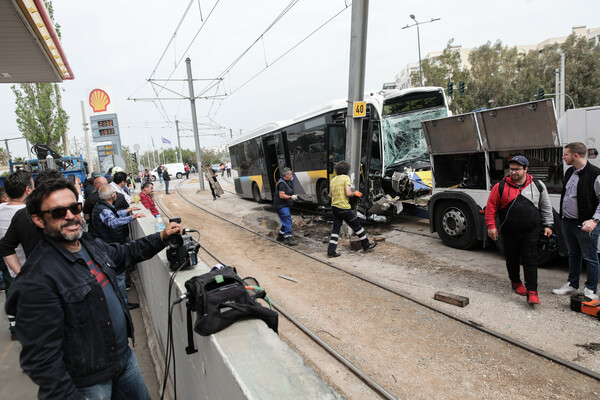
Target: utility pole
[[563, 89], [178, 141], [65, 137], [7, 150], [356, 86], [412, 16], [557, 91], [87, 140], [188, 63]]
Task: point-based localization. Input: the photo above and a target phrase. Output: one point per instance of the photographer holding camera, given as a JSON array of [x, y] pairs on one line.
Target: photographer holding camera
[[72, 321]]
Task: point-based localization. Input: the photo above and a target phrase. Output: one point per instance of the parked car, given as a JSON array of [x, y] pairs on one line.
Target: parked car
[[177, 170], [216, 167]]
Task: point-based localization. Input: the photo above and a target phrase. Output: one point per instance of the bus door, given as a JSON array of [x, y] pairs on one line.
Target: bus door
[[336, 146], [274, 160]]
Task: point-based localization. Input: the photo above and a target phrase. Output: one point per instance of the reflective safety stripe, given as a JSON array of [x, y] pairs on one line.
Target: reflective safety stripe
[[333, 241], [334, 235], [360, 232]]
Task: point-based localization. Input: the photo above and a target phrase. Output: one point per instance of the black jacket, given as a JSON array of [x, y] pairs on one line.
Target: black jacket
[[106, 233], [63, 322], [587, 201], [92, 199], [21, 231]]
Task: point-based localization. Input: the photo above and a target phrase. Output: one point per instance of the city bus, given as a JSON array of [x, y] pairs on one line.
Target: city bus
[[394, 161]]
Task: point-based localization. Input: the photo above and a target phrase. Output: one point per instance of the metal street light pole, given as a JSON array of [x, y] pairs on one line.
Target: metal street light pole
[[417, 23]]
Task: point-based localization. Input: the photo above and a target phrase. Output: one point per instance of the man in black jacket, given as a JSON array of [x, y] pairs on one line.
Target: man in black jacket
[[166, 178], [580, 212], [72, 321]]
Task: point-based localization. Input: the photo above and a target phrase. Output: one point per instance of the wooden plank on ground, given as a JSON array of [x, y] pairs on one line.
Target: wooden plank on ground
[[453, 299]]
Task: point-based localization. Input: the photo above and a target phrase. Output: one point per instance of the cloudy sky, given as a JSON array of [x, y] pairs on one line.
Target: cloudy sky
[[119, 45]]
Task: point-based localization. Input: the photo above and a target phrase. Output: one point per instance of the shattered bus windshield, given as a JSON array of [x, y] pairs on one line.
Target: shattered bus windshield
[[404, 142]]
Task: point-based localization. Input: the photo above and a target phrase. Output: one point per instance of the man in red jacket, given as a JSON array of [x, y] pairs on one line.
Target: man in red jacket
[[147, 198], [523, 207]]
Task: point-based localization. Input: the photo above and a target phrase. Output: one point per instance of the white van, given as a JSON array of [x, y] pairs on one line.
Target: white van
[[177, 170]]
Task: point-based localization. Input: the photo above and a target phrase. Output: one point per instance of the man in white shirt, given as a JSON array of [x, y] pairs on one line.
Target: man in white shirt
[[18, 186], [119, 182]]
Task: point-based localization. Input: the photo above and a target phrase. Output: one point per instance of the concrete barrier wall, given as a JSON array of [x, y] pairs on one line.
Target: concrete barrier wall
[[245, 361]]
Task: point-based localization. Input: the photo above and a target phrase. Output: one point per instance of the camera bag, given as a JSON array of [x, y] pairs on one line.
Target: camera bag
[[220, 298]]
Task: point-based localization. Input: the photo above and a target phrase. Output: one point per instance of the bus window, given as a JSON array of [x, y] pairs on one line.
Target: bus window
[[337, 145]]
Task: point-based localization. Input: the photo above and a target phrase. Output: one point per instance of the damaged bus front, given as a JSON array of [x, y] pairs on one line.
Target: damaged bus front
[[406, 175]]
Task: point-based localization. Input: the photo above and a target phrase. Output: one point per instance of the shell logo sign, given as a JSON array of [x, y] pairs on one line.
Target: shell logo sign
[[99, 100]]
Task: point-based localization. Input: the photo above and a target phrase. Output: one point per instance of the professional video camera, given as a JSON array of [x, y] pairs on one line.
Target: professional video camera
[[182, 249]]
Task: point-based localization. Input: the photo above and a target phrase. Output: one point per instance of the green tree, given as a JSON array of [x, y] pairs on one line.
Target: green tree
[[448, 68], [582, 58], [507, 76], [3, 157], [40, 118]]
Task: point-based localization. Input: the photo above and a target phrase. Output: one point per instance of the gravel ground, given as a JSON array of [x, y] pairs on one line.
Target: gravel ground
[[421, 265]]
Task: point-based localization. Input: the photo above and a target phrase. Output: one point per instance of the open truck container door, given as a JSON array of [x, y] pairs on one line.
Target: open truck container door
[[470, 153]]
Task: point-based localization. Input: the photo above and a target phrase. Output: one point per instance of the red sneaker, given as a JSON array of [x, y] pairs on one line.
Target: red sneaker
[[519, 288], [532, 297]]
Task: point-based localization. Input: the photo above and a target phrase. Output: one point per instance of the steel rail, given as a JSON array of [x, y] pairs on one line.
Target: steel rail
[[472, 324], [376, 387]]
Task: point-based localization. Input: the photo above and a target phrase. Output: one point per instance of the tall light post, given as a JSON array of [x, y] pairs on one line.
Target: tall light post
[[417, 23]]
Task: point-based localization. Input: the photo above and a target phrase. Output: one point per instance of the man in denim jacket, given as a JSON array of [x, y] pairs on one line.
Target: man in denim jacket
[[72, 320]]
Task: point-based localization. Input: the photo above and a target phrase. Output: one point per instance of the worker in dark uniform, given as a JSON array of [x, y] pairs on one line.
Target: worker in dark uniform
[[283, 201]]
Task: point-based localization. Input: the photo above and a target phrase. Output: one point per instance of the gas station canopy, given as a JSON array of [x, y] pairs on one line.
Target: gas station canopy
[[30, 49]]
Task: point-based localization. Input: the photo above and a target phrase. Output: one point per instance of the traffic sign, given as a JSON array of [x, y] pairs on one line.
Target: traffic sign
[[359, 109]]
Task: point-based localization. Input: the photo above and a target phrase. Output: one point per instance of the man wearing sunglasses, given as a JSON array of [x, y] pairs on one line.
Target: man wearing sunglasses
[[72, 321]]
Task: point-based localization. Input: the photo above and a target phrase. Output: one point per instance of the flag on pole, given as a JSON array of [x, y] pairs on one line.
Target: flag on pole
[[152, 137], [165, 140]]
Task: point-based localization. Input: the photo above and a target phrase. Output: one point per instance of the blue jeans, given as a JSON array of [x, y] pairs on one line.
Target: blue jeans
[[286, 222], [122, 286], [167, 187], [581, 246], [129, 385]]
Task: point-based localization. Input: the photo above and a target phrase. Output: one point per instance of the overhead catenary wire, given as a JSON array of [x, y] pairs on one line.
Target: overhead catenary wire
[[290, 50], [227, 71]]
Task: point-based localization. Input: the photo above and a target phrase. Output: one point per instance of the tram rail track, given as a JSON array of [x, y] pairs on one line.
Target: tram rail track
[[371, 383], [469, 323]]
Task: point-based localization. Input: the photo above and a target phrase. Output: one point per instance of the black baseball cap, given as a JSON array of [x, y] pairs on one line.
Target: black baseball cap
[[519, 160]]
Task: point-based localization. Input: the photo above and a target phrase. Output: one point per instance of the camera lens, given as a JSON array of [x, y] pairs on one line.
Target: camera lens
[[175, 241]]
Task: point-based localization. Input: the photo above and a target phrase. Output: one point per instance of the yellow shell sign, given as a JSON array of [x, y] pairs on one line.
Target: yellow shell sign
[[99, 100]]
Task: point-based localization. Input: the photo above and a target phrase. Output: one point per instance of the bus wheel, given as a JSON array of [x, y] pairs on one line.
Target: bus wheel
[[256, 193], [323, 192], [455, 224]]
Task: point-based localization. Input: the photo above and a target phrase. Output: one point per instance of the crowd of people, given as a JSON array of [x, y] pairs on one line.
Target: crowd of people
[[66, 250]]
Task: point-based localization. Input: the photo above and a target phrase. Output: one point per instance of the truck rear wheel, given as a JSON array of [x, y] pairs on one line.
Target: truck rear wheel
[[455, 224]]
